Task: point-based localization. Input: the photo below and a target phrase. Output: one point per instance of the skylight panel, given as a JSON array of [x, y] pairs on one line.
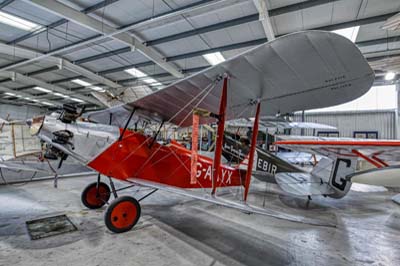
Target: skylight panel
[[349, 33], [77, 100], [61, 95], [214, 58], [149, 80], [42, 89], [81, 82], [135, 72], [390, 76], [95, 88], [9, 94], [18, 22]]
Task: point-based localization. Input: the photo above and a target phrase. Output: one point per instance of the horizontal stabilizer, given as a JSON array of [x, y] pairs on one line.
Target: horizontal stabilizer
[[396, 199], [385, 176], [228, 203], [302, 184]]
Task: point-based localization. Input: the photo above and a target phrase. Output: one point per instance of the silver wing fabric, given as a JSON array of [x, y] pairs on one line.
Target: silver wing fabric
[[387, 150], [195, 194], [299, 71], [302, 184]]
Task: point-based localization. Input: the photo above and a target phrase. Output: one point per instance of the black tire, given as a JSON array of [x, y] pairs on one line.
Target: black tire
[[122, 214], [94, 199]]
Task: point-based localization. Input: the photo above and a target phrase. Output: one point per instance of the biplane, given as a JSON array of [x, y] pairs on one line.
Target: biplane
[[299, 71]]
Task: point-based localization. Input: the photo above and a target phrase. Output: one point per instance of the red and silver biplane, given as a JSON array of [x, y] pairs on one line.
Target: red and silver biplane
[[299, 71]]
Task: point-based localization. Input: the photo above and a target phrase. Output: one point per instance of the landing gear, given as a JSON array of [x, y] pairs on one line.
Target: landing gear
[[96, 195], [122, 214]]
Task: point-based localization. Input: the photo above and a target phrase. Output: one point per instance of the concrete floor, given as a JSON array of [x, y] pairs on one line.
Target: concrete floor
[[174, 230]]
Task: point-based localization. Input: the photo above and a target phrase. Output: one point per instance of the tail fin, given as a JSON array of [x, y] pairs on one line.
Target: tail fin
[[334, 172]]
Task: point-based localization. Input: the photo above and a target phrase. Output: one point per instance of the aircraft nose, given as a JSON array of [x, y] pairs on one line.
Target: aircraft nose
[[29, 122]]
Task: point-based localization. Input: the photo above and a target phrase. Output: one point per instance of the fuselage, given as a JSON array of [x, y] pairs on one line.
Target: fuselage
[[134, 155]]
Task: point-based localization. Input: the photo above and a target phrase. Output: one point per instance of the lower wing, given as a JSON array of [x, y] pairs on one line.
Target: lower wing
[[228, 203]]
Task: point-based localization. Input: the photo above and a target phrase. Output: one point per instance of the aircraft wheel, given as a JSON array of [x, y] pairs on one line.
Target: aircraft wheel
[[122, 214], [95, 198]]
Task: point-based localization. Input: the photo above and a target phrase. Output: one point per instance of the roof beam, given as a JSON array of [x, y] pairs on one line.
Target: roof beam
[[27, 95], [60, 62], [265, 20], [166, 15], [104, 29], [60, 22], [5, 3], [32, 81], [236, 22]]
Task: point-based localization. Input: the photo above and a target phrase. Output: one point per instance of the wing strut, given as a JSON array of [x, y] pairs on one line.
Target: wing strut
[[359, 154], [194, 155], [220, 135], [252, 152]]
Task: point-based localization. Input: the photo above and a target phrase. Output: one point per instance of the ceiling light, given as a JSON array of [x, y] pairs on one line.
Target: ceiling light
[[214, 58], [81, 82], [9, 94], [77, 100], [390, 76], [61, 95], [42, 89], [18, 22], [35, 100], [27, 98], [149, 80], [47, 103], [95, 88], [349, 33], [135, 72]]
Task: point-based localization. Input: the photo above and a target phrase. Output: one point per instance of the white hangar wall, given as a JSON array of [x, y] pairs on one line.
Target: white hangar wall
[[347, 122], [16, 112]]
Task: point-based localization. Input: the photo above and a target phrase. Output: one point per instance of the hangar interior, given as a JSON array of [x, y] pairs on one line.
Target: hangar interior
[[100, 54]]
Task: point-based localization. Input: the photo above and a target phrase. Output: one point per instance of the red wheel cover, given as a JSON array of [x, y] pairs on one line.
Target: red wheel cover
[[124, 214], [97, 199]]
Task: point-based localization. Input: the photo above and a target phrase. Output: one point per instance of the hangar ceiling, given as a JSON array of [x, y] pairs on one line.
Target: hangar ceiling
[[55, 52]]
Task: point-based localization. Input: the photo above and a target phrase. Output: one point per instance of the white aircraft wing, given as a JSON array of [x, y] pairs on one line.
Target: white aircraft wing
[[275, 123], [26, 166], [299, 71], [387, 150], [303, 184], [228, 203]]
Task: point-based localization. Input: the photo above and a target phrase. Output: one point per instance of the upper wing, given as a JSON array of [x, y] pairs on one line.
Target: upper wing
[[388, 150], [299, 71]]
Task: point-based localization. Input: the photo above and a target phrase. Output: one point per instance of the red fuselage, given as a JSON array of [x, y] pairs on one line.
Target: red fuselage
[[170, 164]]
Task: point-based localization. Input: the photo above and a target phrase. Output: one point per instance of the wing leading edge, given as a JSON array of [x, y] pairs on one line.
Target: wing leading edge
[[299, 71], [228, 203]]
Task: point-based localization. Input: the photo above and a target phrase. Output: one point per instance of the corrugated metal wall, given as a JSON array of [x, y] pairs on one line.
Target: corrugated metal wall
[[383, 121], [19, 112]]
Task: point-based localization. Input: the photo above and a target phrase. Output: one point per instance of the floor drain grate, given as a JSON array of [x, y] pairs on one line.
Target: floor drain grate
[[49, 226]]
